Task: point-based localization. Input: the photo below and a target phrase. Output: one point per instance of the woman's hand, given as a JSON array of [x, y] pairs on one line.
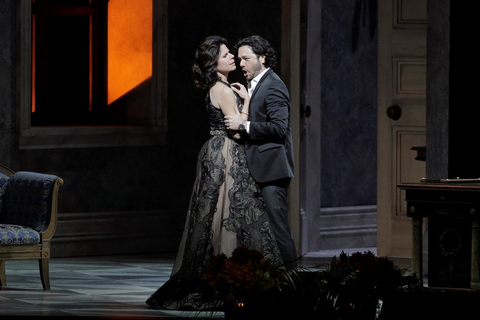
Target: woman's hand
[[243, 93]]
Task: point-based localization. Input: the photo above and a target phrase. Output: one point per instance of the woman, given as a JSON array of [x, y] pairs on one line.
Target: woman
[[226, 209]]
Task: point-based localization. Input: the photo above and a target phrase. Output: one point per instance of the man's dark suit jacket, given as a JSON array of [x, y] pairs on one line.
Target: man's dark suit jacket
[[269, 147]]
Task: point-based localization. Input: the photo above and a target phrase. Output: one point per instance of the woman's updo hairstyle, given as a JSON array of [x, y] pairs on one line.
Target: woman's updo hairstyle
[[204, 68]]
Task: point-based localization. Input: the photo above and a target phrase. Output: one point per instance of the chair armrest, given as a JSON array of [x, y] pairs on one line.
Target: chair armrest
[[50, 230], [6, 170]]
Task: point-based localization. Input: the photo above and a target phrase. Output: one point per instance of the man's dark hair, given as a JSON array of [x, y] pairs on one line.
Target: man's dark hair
[[260, 47]]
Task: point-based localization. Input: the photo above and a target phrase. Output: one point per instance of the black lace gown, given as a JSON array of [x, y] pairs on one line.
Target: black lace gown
[[226, 211]]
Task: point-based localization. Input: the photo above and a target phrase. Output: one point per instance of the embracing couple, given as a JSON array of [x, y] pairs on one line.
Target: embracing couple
[[239, 196]]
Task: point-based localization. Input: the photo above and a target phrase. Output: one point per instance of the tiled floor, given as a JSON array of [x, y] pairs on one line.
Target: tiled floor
[[100, 287]]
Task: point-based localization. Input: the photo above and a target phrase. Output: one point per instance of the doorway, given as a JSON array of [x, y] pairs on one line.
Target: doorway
[[338, 131]]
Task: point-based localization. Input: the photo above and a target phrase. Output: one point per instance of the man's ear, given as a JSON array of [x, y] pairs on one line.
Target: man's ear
[[262, 59]]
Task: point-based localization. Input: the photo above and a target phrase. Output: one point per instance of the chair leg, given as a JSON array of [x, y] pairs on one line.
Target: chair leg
[[3, 277], [44, 265]]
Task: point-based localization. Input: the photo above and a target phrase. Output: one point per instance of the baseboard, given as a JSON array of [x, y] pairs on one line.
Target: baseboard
[[347, 227], [126, 232]]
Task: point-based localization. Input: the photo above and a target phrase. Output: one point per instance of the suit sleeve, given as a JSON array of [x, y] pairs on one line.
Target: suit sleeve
[[273, 120]]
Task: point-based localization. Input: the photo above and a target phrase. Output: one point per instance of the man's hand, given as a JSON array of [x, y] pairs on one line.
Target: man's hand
[[233, 121]]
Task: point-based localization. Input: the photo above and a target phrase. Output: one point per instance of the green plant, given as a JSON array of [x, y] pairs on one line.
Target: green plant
[[352, 286]]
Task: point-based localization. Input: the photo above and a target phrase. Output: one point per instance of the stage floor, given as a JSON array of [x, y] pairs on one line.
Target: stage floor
[[103, 287]]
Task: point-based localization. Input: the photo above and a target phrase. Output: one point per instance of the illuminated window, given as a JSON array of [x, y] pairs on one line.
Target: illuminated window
[[91, 62], [129, 46]]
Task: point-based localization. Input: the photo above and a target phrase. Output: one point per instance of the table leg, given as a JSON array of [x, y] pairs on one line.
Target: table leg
[[475, 272], [417, 249]]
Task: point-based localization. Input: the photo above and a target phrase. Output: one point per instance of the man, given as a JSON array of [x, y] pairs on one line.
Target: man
[[268, 143]]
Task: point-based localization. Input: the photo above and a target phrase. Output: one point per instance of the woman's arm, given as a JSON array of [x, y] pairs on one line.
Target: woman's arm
[[222, 97]]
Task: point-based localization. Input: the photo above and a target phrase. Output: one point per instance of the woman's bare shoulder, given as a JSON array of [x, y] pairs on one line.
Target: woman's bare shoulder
[[221, 91], [221, 87]]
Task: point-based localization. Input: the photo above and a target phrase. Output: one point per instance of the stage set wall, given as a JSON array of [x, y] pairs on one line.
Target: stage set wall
[[131, 198]]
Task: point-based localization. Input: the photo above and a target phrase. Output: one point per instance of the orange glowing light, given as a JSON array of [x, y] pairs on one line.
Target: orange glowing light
[[129, 45]]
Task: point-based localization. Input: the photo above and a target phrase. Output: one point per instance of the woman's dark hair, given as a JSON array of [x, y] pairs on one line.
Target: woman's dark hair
[[260, 47], [204, 68]]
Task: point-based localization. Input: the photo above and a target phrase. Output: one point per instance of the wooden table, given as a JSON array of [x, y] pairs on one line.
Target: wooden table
[[447, 202]]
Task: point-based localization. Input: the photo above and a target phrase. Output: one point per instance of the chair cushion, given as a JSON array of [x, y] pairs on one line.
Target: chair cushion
[[13, 235], [27, 200]]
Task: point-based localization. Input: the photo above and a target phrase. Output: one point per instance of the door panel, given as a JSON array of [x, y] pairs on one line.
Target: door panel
[[310, 128], [408, 169], [401, 82]]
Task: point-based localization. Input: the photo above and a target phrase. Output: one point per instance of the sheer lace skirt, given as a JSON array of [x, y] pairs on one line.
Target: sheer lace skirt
[[226, 211], [226, 208]]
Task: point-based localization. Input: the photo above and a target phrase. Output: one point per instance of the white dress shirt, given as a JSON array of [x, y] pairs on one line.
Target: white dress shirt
[[251, 87], [253, 83]]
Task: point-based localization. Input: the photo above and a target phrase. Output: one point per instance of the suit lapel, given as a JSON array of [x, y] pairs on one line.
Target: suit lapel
[[259, 84]]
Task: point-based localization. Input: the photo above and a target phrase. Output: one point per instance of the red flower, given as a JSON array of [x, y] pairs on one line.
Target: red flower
[[245, 272]]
